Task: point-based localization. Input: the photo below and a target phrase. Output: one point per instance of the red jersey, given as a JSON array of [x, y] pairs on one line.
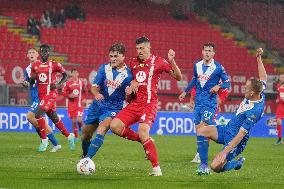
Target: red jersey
[[148, 73], [77, 88], [45, 73], [280, 95]]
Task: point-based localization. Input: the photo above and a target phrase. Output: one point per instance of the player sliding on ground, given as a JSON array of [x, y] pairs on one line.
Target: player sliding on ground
[[235, 134]]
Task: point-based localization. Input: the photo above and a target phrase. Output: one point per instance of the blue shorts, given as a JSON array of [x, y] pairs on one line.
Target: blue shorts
[[224, 137], [205, 114], [97, 113], [34, 106]]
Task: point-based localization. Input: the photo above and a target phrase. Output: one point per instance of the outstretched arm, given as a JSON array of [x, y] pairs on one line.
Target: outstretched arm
[[175, 73], [261, 70]]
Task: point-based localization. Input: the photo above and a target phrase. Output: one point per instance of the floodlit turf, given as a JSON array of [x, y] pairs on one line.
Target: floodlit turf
[[121, 164]]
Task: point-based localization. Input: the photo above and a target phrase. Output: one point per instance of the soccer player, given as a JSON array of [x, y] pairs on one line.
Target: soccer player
[[235, 134], [109, 86], [44, 73], [206, 79], [222, 95], [280, 108], [147, 69], [74, 90], [32, 55]]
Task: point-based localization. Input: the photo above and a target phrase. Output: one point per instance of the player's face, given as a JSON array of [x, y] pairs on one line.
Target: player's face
[[248, 90], [75, 74], [116, 59], [208, 53], [143, 50], [44, 52], [32, 55]]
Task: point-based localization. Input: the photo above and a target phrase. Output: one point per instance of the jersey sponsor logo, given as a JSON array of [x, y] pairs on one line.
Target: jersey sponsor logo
[[141, 76], [112, 84], [42, 77], [282, 94], [204, 77], [76, 92]]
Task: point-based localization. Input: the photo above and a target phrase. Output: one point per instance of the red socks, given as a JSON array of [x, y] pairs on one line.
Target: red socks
[[42, 127], [279, 131], [151, 152], [130, 134], [61, 127]]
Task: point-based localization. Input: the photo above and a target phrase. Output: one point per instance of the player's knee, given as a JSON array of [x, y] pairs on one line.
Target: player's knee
[[143, 132], [201, 131], [102, 130], [30, 116], [115, 126], [86, 135]]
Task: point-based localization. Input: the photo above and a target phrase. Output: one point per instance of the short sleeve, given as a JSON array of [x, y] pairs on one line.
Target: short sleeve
[[251, 119], [99, 79]]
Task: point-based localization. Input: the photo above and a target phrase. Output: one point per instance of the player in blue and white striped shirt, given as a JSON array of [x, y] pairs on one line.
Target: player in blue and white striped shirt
[[235, 134]]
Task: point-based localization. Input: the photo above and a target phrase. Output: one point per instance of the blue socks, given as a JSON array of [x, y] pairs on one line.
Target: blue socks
[[202, 149], [95, 145], [52, 139], [85, 147]]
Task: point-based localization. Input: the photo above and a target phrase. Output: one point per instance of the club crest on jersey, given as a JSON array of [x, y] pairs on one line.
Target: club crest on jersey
[[141, 76], [42, 77], [75, 91]]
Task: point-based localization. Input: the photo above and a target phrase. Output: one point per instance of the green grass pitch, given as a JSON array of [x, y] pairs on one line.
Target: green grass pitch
[[121, 164]]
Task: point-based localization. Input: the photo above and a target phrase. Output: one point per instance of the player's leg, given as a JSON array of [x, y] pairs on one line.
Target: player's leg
[[87, 133], [42, 126], [31, 118], [59, 124], [279, 130], [120, 124], [203, 133], [150, 148], [98, 141], [229, 163], [80, 123], [74, 127]]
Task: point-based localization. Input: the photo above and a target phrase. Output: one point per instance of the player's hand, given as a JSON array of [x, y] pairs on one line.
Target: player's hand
[[24, 82], [171, 55], [191, 105], [134, 86], [215, 89], [128, 90], [99, 97], [182, 96], [221, 157], [259, 52]]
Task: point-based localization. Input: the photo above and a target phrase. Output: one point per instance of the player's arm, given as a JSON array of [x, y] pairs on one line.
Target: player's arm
[[175, 72], [234, 142], [63, 80], [261, 70], [225, 84], [99, 81], [190, 85], [25, 81]]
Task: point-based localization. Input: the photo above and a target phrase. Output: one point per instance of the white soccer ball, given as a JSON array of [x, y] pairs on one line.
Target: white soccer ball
[[86, 166]]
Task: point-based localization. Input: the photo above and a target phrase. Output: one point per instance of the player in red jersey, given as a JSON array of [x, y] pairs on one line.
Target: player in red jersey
[[146, 69], [74, 90], [280, 108], [222, 96], [44, 72]]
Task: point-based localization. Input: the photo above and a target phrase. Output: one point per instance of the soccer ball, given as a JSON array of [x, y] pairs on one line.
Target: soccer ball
[[86, 166]]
